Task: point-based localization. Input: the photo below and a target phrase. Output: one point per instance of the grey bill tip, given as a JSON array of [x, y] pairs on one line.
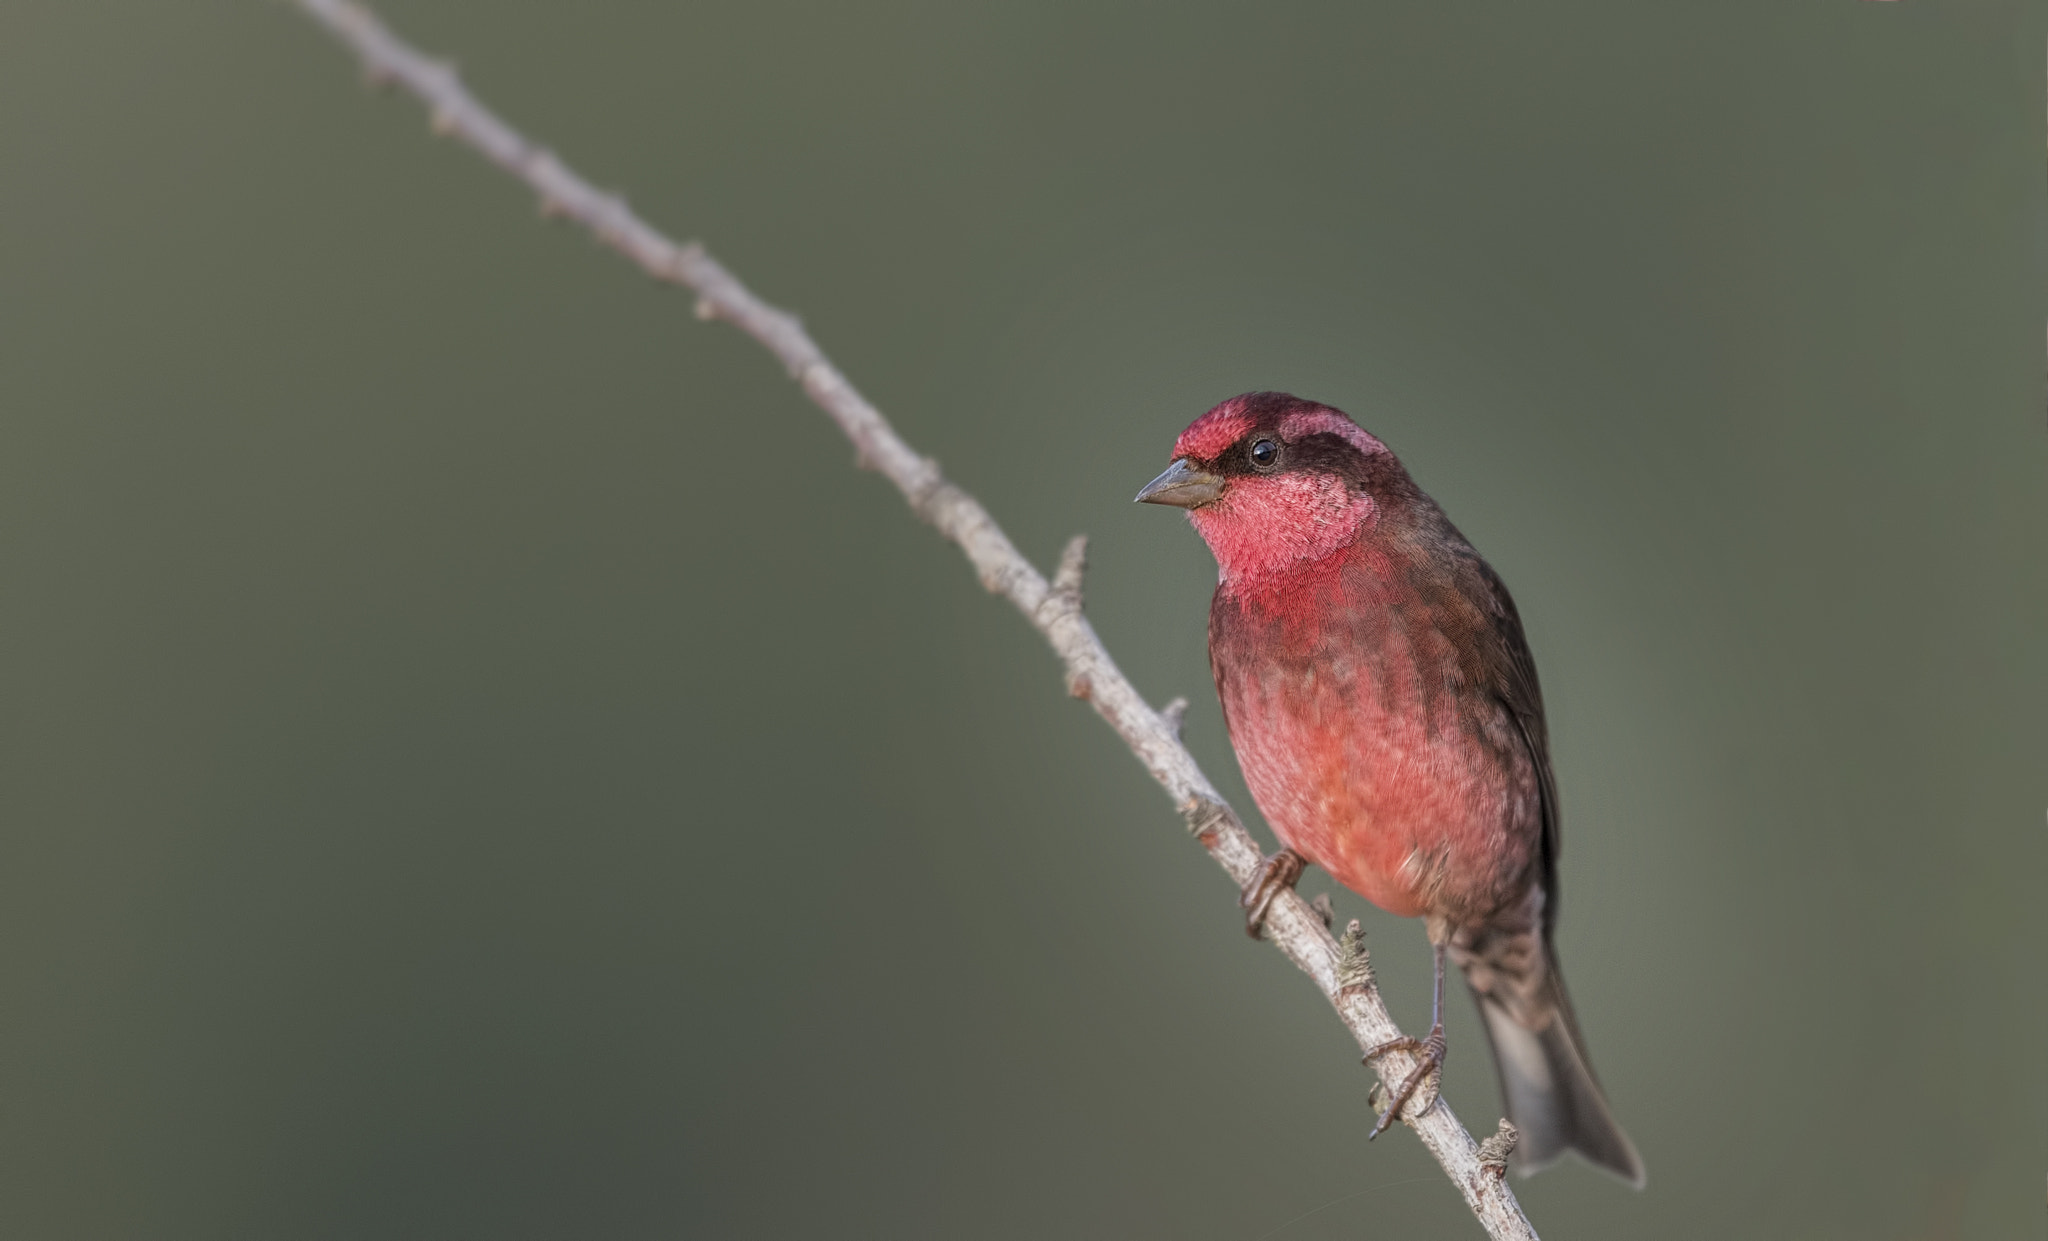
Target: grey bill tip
[[1183, 485]]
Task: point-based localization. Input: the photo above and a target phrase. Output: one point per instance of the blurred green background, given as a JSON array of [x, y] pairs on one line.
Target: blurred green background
[[479, 763]]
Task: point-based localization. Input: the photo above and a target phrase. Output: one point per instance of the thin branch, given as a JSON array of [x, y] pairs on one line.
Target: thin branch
[[1053, 608]]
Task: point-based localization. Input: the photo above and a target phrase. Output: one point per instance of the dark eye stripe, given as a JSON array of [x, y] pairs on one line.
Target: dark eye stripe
[[1321, 453]]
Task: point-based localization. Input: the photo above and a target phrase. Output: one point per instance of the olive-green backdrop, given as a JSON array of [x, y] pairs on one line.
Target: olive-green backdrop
[[476, 762]]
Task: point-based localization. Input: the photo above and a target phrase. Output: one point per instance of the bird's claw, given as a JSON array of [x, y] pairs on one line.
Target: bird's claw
[[1429, 1054], [1276, 873]]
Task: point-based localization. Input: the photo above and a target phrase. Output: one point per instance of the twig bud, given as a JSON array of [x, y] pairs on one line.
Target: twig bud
[[1494, 1151], [1354, 965]]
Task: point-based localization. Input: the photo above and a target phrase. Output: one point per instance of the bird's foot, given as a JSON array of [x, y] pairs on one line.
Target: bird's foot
[[1429, 1053], [1276, 873]]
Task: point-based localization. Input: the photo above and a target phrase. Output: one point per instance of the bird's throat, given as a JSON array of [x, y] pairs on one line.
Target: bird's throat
[[1265, 529]]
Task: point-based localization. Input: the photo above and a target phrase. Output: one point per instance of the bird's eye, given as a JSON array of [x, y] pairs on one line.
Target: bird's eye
[[1264, 454]]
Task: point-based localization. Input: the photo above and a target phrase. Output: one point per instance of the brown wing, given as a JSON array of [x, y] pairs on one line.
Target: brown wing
[[1514, 974], [1516, 687]]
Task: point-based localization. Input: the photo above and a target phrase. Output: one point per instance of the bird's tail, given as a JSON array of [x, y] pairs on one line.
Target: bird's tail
[[1545, 1076]]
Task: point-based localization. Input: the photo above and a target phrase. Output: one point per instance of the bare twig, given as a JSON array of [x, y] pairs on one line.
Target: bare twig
[[1053, 608]]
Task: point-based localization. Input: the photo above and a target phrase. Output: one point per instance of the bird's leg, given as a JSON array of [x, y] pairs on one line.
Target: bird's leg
[[1430, 1052], [1280, 871]]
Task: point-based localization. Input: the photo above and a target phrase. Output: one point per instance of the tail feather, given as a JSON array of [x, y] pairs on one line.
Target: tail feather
[[1548, 1083], [1546, 1077]]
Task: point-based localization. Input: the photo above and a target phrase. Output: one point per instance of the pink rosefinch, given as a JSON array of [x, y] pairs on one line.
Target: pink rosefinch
[[1383, 705]]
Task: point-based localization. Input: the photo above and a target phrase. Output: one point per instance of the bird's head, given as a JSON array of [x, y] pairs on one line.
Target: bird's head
[[1272, 482]]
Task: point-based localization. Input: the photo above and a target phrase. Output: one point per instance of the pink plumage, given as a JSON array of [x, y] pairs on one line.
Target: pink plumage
[[1384, 707]]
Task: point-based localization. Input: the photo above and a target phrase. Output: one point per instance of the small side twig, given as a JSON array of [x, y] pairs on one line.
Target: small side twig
[[1354, 964], [1051, 607], [1323, 909], [1494, 1151]]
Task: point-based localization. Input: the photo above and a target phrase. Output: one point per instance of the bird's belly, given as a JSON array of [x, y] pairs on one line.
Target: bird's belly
[[1418, 802]]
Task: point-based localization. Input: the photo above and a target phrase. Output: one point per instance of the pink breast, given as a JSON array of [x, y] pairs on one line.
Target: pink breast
[[1387, 787]]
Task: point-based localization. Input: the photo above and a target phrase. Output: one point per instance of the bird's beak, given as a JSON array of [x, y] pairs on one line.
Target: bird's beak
[[1184, 485]]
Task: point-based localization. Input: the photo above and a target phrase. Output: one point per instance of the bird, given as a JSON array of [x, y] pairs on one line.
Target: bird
[[1383, 704]]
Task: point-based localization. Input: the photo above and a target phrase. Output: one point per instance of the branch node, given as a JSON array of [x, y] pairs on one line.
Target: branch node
[[1064, 598], [1173, 715], [442, 121], [684, 262], [1494, 1151], [1078, 685], [1205, 819], [1354, 964], [1324, 911], [707, 310], [928, 495], [993, 579]]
